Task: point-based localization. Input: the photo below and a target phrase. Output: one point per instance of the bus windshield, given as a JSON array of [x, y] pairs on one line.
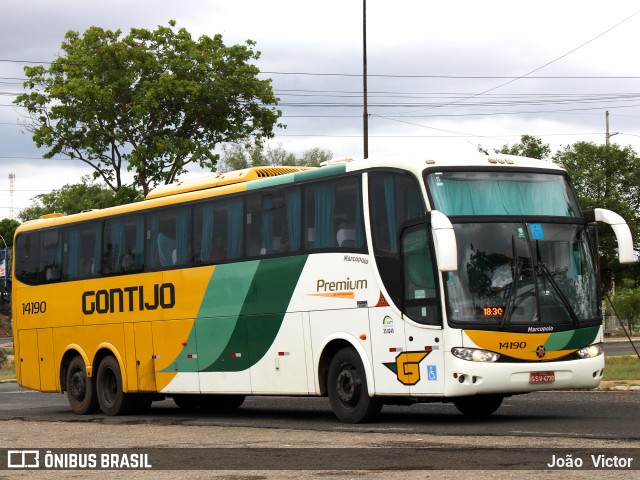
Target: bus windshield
[[523, 274], [502, 193]]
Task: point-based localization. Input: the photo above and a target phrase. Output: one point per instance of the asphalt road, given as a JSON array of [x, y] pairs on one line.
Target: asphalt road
[[621, 347], [579, 414]]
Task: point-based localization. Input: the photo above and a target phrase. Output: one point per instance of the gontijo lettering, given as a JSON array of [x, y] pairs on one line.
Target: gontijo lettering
[[128, 299]]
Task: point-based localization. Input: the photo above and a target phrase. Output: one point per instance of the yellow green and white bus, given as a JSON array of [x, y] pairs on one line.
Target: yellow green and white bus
[[394, 280]]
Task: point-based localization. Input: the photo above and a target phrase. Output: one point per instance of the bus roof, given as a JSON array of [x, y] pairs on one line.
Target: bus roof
[[221, 179], [262, 177]]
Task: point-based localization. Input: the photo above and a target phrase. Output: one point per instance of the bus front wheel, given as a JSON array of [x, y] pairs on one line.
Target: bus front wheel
[[478, 406], [81, 392], [111, 397], [347, 389]]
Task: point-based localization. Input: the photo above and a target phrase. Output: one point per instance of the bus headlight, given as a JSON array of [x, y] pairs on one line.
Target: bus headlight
[[475, 354], [590, 351]]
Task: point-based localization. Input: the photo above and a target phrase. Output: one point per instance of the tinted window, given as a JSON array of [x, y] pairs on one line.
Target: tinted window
[[394, 199], [273, 222], [169, 236], [27, 257], [81, 251], [218, 231], [333, 215], [123, 245]]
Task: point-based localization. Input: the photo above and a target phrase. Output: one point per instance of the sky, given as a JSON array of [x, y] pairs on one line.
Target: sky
[[443, 77]]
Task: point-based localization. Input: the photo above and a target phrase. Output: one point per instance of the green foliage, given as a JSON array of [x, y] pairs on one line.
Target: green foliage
[[153, 101], [606, 177], [237, 157], [74, 198], [529, 146], [627, 304], [7, 229]]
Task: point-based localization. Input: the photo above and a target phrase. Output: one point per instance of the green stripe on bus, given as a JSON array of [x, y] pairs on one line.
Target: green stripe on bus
[[572, 339], [241, 314], [320, 172]]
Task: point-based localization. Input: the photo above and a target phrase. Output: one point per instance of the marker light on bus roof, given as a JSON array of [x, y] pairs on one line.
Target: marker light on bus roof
[[475, 354]]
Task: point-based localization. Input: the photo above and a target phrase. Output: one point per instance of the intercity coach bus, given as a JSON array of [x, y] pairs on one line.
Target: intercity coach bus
[[390, 281]]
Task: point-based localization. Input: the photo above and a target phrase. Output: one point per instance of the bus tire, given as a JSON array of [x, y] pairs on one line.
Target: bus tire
[[347, 389], [81, 393], [478, 406], [111, 397]]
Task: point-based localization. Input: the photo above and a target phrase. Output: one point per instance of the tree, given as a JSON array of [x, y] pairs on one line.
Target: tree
[[74, 198], [237, 157], [529, 146], [7, 230], [606, 176], [153, 101], [627, 304]]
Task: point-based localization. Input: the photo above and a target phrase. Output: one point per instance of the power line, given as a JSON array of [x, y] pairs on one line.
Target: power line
[[552, 61]]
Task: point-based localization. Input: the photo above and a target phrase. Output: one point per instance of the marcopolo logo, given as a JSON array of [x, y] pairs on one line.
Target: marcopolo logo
[[129, 299]]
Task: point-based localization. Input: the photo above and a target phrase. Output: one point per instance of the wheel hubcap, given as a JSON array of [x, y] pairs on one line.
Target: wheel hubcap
[[78, 386], [348, 386]]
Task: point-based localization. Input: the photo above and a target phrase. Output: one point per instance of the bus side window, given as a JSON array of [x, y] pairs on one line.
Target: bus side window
[[27, 257], [273, 222], [333, 215], [50, 256], [218, 230], [420, 294], [81, 251], [394, 199], [168, 235], [123, 245]]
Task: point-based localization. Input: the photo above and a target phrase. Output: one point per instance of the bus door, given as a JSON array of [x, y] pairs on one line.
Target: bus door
[[423, 361]]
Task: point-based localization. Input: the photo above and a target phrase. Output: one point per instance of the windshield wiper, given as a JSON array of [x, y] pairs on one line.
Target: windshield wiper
[[563, 298], [511, 301]]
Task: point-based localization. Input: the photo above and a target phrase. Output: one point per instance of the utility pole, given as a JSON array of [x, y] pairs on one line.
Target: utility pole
[[607, 134], [12, 178], [365, 114]]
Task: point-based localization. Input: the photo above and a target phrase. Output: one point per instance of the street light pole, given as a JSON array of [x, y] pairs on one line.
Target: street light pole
[[365, 114], [607, 134]]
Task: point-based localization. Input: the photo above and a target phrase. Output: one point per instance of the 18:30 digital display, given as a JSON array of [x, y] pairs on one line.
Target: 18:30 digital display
[[493, 311]]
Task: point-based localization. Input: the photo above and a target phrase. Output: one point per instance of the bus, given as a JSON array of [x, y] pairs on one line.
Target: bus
[[394, 280]]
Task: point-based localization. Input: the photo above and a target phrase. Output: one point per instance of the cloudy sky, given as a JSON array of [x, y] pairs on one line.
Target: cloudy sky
[[443, 76]]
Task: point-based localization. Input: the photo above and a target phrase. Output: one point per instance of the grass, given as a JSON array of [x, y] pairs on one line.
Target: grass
[[7, 370], [7, 373], [622, 368]]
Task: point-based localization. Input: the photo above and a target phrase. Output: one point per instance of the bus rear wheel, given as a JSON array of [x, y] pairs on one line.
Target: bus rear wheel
[[347, 389], [478, 406], [81, 392], [111, 397]]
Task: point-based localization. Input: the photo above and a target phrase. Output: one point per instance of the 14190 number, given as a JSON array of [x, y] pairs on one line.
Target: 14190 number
[[34, 308]]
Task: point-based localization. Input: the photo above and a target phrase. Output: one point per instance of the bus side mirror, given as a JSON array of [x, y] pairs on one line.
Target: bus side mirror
[[444, 240], [626, 253]]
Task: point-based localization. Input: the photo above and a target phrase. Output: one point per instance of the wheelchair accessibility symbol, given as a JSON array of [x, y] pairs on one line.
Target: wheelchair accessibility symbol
[[432, 373]]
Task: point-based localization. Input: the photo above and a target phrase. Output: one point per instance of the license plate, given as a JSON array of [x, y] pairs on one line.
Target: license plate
[[542, 377]]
